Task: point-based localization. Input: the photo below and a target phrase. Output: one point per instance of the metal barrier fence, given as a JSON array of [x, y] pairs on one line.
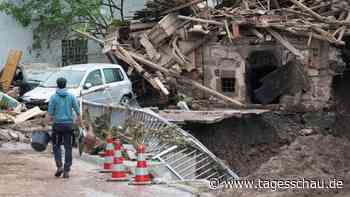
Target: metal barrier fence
[[189, 162]]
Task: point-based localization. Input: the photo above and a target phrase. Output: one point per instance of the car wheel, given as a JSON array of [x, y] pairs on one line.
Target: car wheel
[[125, 100]]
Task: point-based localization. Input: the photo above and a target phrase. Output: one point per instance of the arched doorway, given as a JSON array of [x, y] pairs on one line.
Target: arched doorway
[[260, 64]]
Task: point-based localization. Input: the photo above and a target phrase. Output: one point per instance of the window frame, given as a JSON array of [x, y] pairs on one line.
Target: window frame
[[227, 80], [87, 76], [119, 71]]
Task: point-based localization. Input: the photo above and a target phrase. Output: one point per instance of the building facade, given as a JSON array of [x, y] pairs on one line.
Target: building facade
[[59, 52]]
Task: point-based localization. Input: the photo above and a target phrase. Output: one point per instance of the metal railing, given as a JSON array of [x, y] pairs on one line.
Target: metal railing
[[185, 162]]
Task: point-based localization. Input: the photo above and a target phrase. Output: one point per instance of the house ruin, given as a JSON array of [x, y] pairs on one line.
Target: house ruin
[[247, 55]]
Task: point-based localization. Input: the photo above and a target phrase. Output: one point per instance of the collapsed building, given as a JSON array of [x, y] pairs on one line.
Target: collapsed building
[[259, 75], [249, 53]]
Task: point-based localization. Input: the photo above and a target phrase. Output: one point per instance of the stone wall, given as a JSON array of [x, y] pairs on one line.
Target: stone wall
[[219, 59]]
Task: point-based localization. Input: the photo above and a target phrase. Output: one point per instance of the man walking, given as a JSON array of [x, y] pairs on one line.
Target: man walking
[[61, 106]]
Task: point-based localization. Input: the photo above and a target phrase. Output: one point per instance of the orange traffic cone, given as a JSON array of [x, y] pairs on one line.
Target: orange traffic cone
[[118, 169], [108, 156], [142, 176]]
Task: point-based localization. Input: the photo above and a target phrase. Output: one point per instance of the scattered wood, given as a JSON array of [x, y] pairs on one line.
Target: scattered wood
[[186, 80], [125, 55], [165, 28], [343, 28], [308, 10], [151, 51], [213, 22], [9, 70], [36, 111], [157, 43]]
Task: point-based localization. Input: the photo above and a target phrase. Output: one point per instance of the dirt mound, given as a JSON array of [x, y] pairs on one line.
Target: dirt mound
[[311, 157], [245, 143]]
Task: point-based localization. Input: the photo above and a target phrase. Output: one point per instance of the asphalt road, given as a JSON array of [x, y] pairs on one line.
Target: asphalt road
[[25, 173]]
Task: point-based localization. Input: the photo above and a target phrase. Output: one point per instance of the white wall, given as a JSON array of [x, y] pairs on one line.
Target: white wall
[[14, 36]]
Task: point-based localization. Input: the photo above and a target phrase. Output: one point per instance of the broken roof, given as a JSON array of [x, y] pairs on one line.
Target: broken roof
[[154, 50]]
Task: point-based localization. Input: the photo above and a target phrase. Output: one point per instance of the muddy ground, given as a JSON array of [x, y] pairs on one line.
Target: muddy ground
[[247, 142], [278, 146]]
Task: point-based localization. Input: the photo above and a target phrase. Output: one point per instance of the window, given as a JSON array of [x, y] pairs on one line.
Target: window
[[113, 75], [73, 78], [228, 84], [95, 78], [74, 52]]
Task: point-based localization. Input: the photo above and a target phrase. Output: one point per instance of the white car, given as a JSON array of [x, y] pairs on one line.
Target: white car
[[100, 83]]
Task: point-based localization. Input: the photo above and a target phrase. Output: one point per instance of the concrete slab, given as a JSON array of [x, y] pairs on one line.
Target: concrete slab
[[205, 117]]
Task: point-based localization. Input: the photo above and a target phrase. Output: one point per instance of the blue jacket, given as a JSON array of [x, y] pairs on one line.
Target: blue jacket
[[61, 106]]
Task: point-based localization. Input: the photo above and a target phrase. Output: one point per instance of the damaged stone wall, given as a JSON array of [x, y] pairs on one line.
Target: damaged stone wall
[[323, 64], [233, 60]]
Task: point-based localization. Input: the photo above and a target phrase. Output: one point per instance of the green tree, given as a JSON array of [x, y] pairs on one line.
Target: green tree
[[52, 19]]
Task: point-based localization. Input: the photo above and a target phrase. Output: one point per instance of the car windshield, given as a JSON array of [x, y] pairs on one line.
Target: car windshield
[[33, 75], [73, 78]]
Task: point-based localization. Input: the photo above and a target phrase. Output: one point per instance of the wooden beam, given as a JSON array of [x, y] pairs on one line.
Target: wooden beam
[[285, 43], [308, 10], [150, 49], [89, 36], [200, 20], [9, 70], [327, 35], [196, 45], [174, 74], [343, 29], [125, 56], [186, 80]]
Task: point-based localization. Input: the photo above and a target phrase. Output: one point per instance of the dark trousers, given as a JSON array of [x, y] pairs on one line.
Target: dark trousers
[[63, 134]]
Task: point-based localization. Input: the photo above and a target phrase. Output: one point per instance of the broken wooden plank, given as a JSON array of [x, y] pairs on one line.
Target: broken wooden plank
[[151, 51], [125, 55], [308, 10], [343, 29], [135, 27], [330, 38], [196, 45], [121, 54], [165, 28], [257, 33], [9, 70], [228, 32], [161, 86], [89, 36], [36, 111], [285, 43], [213, 22]]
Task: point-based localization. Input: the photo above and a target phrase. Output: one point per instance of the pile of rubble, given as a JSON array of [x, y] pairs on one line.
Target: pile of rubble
[[324, 20], [15, 123], [178, 41]]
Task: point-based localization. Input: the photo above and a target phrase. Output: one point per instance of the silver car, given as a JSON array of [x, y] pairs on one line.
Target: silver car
[[100, 83]]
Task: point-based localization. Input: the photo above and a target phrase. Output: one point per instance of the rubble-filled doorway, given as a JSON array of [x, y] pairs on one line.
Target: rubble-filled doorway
[[260, 64]]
